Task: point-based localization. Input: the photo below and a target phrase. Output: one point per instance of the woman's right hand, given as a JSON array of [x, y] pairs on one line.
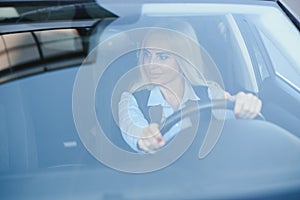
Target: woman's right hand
[[151, 139]]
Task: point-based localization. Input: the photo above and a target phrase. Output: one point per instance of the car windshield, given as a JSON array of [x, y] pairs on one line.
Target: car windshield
[[65, 65]]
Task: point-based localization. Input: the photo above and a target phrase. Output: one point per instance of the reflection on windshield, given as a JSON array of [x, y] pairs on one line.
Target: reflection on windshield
[[52, 11]]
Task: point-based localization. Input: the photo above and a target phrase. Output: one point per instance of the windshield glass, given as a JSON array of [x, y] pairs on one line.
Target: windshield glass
[[61, 85], [224, 39]]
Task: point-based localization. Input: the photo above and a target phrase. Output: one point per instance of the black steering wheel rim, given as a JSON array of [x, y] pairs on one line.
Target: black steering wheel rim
[[169, 122]]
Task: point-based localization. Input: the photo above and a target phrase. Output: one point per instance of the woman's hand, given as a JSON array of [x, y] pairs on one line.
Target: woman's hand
[[151, 139], [247, 105]]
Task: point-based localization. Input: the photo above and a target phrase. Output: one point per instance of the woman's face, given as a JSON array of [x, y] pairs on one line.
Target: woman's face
[[160, 66]]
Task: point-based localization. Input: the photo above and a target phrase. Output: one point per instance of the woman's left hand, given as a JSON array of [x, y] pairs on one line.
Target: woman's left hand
[[247, 105]]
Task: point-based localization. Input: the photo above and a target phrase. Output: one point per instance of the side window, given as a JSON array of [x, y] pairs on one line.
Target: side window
[[245, 76], [282, 66], [255, 48], [40, 49], [3, 55], [59, 42], [21, 48]]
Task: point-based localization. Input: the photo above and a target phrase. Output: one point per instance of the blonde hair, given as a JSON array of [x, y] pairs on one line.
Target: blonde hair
[[182, 41]]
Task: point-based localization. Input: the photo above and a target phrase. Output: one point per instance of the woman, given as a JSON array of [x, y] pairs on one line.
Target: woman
[[171, 70]]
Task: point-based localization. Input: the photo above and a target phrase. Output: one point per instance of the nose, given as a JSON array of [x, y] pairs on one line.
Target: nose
[[153, 63]]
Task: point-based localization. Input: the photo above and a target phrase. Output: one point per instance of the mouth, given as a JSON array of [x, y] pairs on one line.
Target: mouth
[[154, 75]]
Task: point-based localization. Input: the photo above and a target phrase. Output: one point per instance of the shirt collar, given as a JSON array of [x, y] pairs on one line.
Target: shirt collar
[[156, 97]]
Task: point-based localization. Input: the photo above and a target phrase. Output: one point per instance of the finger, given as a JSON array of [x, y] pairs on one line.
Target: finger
[[154, 129], [238, 107], [141, 145], [153, 143], [248, 109], [149, 144], [151, 138], [256, 108], [253, 108], [245, 105], [159, 140], [249, 106], [259, 106], [145, 146], [149, 131]]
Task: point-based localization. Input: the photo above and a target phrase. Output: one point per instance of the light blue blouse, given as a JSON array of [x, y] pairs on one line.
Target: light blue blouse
[[132, 120]]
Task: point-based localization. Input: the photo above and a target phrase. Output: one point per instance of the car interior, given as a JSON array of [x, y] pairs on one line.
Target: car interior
[[38, 135], [69, 43], [42, 149], [223, 57]]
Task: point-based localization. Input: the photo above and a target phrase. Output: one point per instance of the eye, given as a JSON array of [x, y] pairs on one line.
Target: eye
[[163, 56]]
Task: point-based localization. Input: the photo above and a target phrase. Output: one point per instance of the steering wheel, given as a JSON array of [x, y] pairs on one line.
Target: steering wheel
[[169, 122]]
